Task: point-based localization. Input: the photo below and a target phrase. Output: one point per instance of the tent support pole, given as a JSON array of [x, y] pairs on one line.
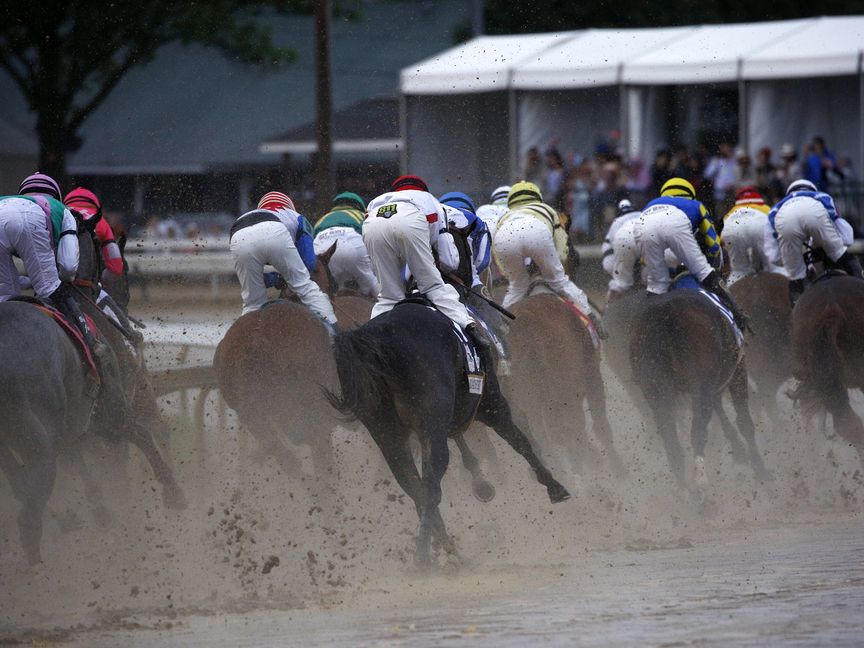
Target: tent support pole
[[743, 126], [513, 123], [403, 133], [860, 161]]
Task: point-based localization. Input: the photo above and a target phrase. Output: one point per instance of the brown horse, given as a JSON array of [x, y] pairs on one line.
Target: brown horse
[[828, 352], [556, 375], [768, 345], [682, 347]]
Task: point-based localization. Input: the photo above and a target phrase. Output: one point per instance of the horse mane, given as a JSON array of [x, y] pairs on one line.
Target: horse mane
[[362, 370]]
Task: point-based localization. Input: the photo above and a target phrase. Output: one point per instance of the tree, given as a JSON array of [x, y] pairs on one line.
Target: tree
[[67, 58]]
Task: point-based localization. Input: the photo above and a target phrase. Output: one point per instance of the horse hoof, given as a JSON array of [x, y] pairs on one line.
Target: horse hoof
[[422, 561], [174, 499], [483, 490], [557, 493], [700, 477]]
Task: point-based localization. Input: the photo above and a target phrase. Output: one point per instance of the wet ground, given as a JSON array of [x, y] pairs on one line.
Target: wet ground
[[263, 559]]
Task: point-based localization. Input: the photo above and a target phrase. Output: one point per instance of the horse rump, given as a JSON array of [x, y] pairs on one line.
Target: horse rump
[[819, 365]]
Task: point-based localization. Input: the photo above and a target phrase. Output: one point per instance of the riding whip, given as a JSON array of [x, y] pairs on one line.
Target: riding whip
[[477, 293]]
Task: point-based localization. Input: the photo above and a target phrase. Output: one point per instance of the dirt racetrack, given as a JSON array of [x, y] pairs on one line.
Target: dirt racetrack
[[261, 558]]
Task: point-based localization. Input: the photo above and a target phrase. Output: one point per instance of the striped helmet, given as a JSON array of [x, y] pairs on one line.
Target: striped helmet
[[678, 187], [522, 193], [276, 200], [499, 196], [39, 183]]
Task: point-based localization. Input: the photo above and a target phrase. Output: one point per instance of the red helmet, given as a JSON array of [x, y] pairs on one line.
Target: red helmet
[[749, 196], [276, 200], [85, 202], [406, 182]]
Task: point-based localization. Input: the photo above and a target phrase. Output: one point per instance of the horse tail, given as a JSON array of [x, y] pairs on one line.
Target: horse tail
[[819, 371], [361, 366], [651, 354]]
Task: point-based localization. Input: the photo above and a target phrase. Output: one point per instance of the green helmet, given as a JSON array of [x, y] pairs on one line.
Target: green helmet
[[349, 199]]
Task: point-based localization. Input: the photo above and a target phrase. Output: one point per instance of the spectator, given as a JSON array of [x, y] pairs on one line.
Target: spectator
[[766, 174], [553, 182], [660, 171], [533, 171], [721, 172], [789, 170], [819, 163], [745, 174]]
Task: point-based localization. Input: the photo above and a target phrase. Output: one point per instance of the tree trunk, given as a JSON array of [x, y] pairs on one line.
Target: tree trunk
[[323, 105], [52, 153]]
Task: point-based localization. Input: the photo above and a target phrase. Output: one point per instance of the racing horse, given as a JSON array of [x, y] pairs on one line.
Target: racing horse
[[403, 372], [556, 375], [683, 347], [828, 352], [46, 407], [768, 344]]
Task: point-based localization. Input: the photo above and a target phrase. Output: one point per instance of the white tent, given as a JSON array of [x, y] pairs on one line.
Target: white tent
[[573, 87]]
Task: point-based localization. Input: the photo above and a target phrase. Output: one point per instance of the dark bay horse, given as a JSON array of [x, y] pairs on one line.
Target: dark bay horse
[[402, 373], [683, 348], [768, 345], [556, 376], [828, 352]]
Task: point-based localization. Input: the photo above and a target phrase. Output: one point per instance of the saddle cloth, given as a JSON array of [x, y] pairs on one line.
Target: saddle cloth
[[473, 365], [688, 282]]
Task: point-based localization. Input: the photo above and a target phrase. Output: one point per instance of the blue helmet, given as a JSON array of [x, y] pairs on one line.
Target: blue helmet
[[461, 202]]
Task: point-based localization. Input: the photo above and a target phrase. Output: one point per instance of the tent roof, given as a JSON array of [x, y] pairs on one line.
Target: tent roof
[[823, 47], [480, 65], [592, 58], [708, 54]]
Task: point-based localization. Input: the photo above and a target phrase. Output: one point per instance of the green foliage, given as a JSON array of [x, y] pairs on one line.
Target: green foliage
[[526, 16]]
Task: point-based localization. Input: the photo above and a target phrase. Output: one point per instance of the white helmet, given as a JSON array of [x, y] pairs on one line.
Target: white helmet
[[624, 207], [801, 185], [499, 196]]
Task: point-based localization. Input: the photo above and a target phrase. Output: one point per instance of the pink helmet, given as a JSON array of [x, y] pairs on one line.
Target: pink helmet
[[275, 200], [39, 183], [85, 202]]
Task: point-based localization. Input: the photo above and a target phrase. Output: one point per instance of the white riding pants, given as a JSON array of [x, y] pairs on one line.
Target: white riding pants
[[254, 247], [403, 239], [670, 228], [24, 233], [744, 242], [799, 219], [625, 253], [350, 261], [522, 236]]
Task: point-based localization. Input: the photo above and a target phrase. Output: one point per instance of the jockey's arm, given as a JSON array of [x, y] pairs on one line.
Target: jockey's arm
[[711, 242], [481, 248], [67, 248], [304, 244], [111, 255]]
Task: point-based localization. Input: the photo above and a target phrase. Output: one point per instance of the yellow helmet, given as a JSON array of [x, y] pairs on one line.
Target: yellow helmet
[[678, 187], [522, 193]]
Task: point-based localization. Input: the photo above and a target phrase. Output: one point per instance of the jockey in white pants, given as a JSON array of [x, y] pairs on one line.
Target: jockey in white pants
[[620, 250], [402, 227], [674, 221], [343, 225], [803, 215], [744, 236], [267, 235], [497, 207], [532, 230]]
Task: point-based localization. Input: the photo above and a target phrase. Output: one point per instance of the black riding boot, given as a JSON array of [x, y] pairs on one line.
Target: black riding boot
[[65, 302], [712, 283], [796, 289], [850, 264], [478, 336]]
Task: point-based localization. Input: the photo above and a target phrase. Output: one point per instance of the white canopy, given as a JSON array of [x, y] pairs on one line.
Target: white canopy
[[592, 58], [480, 65], [822, 47]]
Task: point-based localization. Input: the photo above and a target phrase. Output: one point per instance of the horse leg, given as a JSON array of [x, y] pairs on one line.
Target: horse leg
[[495, 412], [14, 472], [172, 494], [436, 457], [847, 424], [704, 404], [741, 402], [483, 490], [664, 416], [739, 454], [595, 397], [92, 491]]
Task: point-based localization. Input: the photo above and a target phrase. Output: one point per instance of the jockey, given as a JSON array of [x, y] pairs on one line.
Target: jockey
[[462, 215], [492, 213], [533, 229], [275, 233], [402, 227], [807, 214], [343, 225], [676, 220], [620, 251], [87, 208], [744, 235], [39, 229]]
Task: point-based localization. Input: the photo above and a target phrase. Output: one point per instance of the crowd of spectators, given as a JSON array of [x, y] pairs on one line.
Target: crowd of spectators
[[588, 188]]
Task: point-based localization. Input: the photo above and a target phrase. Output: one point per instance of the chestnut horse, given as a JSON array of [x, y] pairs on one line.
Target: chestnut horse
[[556, 376], [682, 346], [828, 352]]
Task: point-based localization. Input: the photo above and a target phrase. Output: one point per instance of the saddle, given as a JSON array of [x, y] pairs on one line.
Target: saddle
[[687, 281], [475, 372], [73, 333]]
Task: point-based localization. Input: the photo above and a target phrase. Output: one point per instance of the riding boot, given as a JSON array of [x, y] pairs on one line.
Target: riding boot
[[850, 264], [796, 289], [114, 313], [65, 302], [602, 333], [478, 336], [712, 284]]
